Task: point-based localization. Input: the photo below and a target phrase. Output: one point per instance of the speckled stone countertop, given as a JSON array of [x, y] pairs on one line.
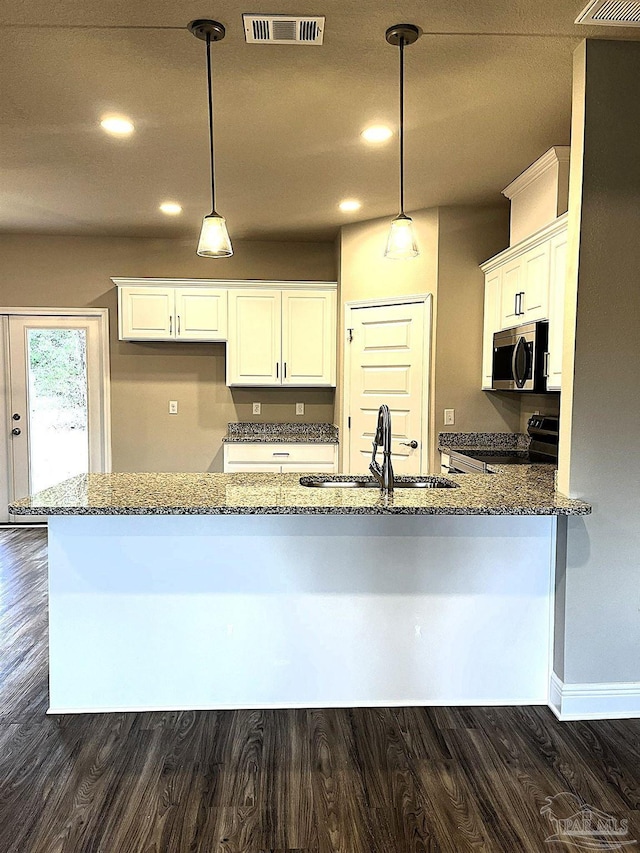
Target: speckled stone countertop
[[483, 441], [288, 433], [529, 490]]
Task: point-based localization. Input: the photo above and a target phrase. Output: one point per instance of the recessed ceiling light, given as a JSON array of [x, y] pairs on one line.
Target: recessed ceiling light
[[171, 208], [377, 133], [349, 205], [117, 125]]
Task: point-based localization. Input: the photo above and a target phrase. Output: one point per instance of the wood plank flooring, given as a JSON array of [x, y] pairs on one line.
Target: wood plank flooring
[[323, 781]]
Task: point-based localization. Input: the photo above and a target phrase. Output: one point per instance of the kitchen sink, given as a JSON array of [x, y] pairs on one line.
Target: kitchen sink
[[346, 481]]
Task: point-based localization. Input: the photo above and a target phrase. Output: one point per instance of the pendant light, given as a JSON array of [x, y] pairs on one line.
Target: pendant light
[[401, 243], [214, 238]]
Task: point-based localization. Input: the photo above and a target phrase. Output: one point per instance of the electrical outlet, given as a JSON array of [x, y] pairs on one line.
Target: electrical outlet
[[299, 408], [257, 408], [173, 407], [449, 417]]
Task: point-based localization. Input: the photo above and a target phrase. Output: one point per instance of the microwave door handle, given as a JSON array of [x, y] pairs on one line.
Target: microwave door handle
[[520, 380]]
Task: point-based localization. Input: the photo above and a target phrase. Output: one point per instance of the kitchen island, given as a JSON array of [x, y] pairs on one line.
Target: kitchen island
[[187, 591]]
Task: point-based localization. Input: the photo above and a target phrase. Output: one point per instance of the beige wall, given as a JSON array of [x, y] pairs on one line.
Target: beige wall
[[364, 272], [453, 242], [600, 619], [76, 271], [467, 237]]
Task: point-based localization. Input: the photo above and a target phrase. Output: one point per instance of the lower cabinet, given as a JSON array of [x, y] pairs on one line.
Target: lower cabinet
[[250, 457]]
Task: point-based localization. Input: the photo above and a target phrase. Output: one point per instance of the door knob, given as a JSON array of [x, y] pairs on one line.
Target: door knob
[[412, 444], [16, 431]]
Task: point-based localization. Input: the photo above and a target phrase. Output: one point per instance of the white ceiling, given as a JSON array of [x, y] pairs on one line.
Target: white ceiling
[[488, 91]]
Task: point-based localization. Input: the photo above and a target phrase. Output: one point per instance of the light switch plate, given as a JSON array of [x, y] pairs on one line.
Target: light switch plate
[[299, 408], [257, 408], [173, 407], [449, 417]]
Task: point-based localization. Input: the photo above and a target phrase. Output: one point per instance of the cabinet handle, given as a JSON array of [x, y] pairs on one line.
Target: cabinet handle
[[545, 369], [170, 325], [281, 454], [285, 370], [515, 304], [277, 370], [178, 324], [521, 302]]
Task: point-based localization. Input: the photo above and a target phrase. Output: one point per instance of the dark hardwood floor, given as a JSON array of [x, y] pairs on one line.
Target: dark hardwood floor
[[332, 781]]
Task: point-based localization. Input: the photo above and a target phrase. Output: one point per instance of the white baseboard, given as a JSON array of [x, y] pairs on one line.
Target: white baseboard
[[618, 700]]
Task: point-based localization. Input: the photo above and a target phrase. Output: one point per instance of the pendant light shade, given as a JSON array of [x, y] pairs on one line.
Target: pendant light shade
[[401, 243], [214, 239]]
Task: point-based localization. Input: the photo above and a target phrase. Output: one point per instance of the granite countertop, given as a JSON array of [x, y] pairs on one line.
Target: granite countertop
[[529, 490], [287, 433], [499, 441]]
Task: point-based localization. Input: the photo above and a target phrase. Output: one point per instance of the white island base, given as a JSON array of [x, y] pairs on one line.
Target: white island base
[[153, 612]]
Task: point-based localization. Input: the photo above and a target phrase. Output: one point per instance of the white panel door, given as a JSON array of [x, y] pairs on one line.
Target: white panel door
[[512, 286], [308, 338], [387, 364], [146, 313], [201, 314], [491, 325], [556, 310], [534, 304], [57, 385], [255, 330]]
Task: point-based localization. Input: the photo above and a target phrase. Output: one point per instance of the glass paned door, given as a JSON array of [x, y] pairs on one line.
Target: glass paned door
[[56, 392], [57, 398]]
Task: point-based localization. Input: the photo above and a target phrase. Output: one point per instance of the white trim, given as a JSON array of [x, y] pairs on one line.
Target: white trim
[[556, 227], [102, 314], [230, 284], [618, 700], [267, 706], [427, 301], [552, 157]]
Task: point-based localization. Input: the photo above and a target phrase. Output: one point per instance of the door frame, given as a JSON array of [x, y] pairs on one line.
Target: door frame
[[426, 299], [102, 314]]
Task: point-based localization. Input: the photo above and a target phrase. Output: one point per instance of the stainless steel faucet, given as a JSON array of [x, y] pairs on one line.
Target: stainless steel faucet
[[382, 438]]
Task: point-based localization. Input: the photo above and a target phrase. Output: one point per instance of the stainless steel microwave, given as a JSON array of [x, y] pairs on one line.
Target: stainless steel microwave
[[520, 358]]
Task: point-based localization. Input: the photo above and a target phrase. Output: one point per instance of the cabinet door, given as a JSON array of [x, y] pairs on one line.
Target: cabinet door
[[146, 313], [201, 314], [556, 311], [493, 281], [254, 349], [308, 338], [512, 286], [535, 300]]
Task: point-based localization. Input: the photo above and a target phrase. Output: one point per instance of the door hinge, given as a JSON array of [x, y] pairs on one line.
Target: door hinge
[[349, 422], [350, 333]]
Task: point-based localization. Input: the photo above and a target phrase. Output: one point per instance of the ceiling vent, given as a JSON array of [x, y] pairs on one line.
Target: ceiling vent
[[283, 29], [611, 13]]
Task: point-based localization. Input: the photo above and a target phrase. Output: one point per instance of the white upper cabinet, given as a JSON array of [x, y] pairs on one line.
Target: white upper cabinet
[[511, 293], [282, 337], [492, 292], [201, 314], [167, 311], [534, 300], [556, 313], [526, 283], [308, 337], [145, 313], [254, 350]]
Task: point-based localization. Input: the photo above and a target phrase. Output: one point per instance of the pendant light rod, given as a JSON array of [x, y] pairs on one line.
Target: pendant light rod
[[402, 125], [401, 35], [209, 31], [210, 99]]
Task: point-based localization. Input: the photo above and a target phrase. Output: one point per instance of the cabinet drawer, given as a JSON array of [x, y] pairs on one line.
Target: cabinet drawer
[[261, 452]]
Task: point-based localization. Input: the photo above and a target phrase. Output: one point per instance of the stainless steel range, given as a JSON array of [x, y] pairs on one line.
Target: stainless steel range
[[543, 449]]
